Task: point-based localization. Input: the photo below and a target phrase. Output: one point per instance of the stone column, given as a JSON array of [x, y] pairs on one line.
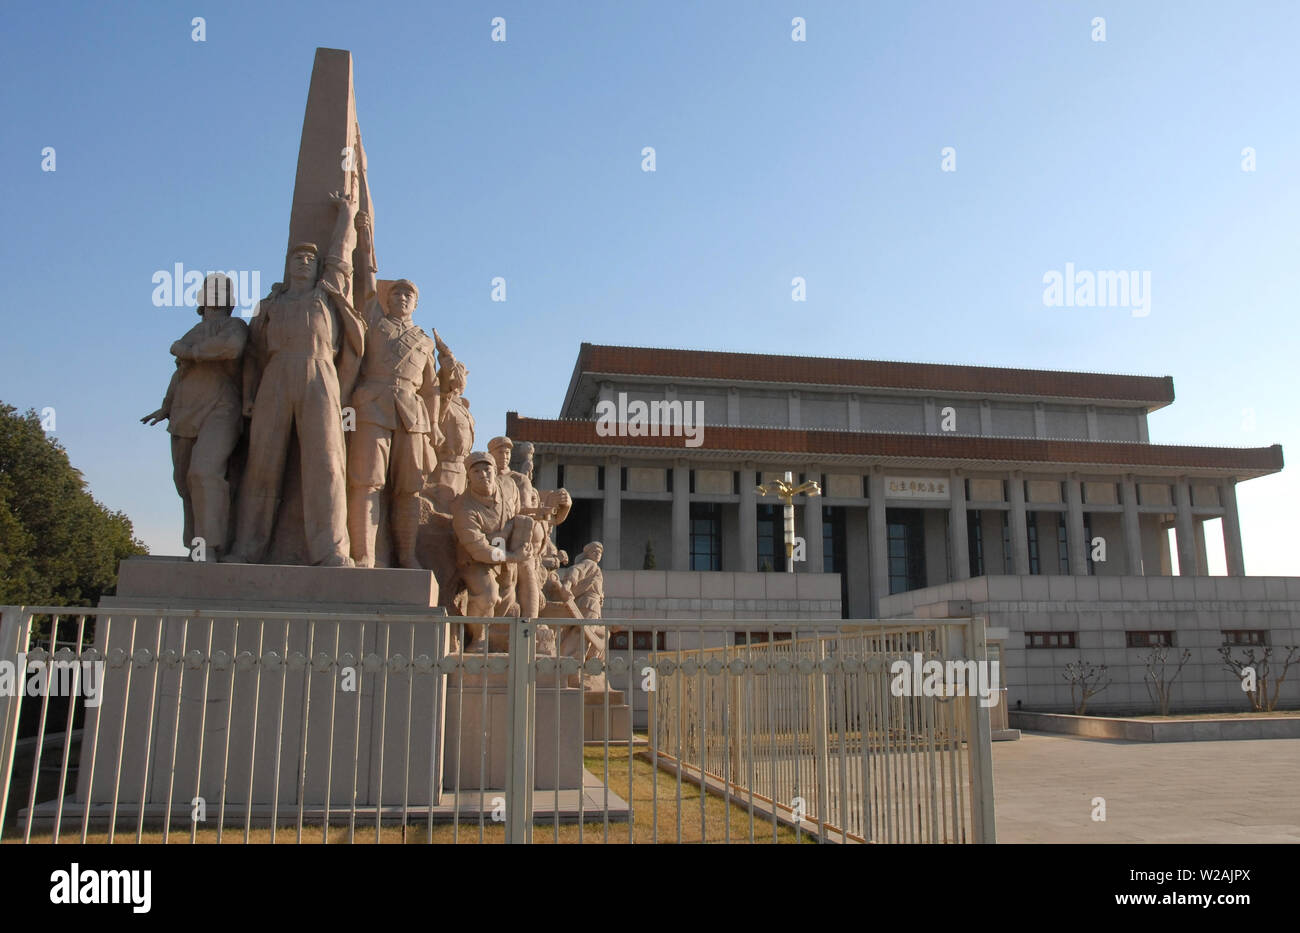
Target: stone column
[[548, 472], [1093, 431], [855, 413], [1183, 530], [1232, 552], [957, 525], [812, 533], [733, 406], [986, 417], [1040, 420], [1019, 531], [681, 558], [793, 418], [1132, 530], [611, 532], [1075, 545], [877, 539], [748, 520], [1202, 555]]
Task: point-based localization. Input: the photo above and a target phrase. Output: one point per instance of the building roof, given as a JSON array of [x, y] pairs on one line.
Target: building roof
[[597, 362], [793, 445]]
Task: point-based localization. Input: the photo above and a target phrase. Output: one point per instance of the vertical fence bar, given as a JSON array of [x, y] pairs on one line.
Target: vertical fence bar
[[67, 731], [176, 730], [15, 631], [518, 817], [121, 734], [40, 729], [980, 742], [252, 751], [307, 671]]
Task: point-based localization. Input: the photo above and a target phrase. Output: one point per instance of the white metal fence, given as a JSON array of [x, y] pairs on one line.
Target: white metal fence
[[141, 724]]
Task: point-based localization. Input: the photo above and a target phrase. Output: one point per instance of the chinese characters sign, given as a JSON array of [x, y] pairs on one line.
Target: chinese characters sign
[[916, 487]]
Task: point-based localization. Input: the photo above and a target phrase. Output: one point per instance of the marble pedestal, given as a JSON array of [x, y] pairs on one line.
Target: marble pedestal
[[478, 713], [270, 733]]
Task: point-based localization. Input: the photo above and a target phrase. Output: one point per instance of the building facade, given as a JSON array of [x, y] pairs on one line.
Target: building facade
[[930, 474]]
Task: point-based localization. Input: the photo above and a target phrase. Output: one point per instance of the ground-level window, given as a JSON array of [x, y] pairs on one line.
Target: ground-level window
[[771, 535], [1062, 544], [905, 533], [975, 542], [834, 555], [641, 641], [706, 536], [761, 638], [1008, 563], [1031, 536], [1050, 639], [1150, 639], [1087, 543], [1245, 636]]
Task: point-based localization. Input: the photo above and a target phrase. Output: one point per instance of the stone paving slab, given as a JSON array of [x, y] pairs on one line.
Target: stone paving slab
[[1242, 791]]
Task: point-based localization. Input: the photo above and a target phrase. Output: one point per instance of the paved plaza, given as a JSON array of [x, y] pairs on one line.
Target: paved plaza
[[1224, 792]]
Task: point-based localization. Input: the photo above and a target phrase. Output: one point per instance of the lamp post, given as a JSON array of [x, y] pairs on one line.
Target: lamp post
[[786, 490]]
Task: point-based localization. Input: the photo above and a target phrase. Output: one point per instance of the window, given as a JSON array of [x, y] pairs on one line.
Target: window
[[1031, 537], [1062, 545], [905, 538], [641, 641], [975, 542], [1008, 564], [706, 536], [834, 556], [1150, 639], [1050, 639], [771, 533], [1245, 636], [760, 638], [1087, 543]]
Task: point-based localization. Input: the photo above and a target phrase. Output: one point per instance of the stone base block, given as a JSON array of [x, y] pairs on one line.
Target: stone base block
[[480, 741], [180, 583], [593, 718]]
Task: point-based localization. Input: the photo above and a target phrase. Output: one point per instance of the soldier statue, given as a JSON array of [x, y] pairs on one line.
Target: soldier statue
[[396, 408], [291, 385], [490, 538], [203, 410]]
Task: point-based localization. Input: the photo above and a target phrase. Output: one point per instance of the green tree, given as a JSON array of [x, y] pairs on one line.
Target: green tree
[[58, 546]]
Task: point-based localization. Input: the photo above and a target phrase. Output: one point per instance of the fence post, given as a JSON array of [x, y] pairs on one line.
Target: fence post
[[15, 630], [519, 745], [820, 729], [980, 744]]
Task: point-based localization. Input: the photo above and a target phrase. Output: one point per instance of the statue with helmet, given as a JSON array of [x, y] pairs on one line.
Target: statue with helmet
[[395, 403], [203, 408]]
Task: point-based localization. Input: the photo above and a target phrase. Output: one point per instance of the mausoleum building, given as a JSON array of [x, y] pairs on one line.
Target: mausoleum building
[[931, 476]]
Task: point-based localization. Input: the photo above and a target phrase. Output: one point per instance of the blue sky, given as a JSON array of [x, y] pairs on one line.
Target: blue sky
[[774, 159]]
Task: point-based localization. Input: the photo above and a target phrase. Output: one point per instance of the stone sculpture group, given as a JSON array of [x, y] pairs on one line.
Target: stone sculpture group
[[335, 421]]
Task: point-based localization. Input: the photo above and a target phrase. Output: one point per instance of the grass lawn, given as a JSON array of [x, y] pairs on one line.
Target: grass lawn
[[645, 827]]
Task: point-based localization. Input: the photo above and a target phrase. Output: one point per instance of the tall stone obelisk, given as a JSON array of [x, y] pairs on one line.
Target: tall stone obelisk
[[330, 159], [330, 155]]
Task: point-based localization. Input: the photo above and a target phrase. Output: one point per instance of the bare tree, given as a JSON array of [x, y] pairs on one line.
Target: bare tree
[[1256, 672], [1085, 682], [1159, 680]]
